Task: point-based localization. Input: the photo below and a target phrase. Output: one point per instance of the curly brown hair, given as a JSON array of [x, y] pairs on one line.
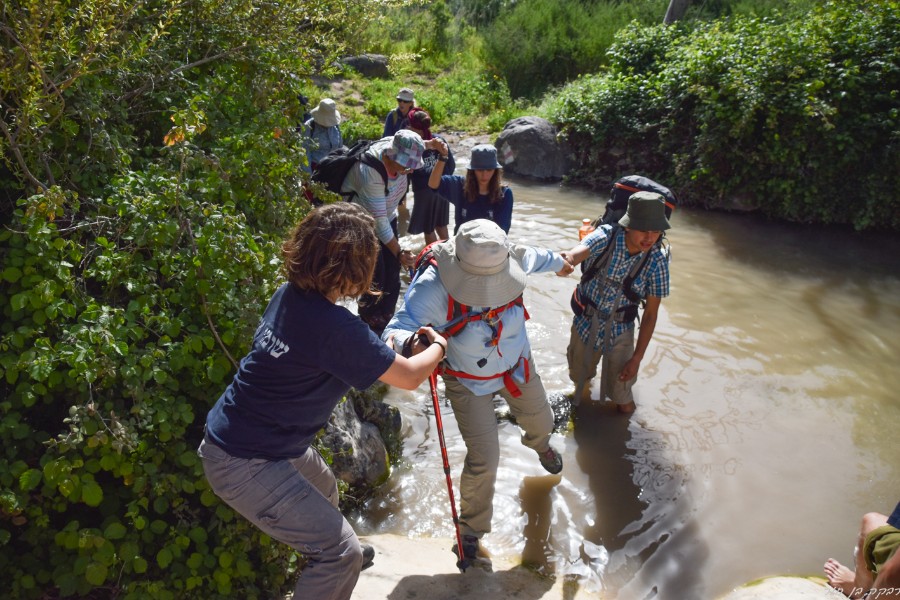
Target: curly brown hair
[[495, 189], [333, 250]]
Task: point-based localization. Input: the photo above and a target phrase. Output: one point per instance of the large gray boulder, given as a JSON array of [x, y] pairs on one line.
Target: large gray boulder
[[359, 437], [528, 146], [369, 65]]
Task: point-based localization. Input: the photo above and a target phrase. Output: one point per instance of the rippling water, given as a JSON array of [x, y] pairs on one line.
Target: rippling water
[[767, 406]]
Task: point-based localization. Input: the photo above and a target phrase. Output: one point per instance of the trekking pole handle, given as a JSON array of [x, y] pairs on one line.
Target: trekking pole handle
[[423, 339]]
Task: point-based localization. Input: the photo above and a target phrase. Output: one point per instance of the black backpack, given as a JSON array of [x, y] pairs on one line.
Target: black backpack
[[622, 190], [332, 170], [615, 209]]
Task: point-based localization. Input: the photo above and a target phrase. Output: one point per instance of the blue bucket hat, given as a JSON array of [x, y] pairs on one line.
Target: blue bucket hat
[[484, 156]]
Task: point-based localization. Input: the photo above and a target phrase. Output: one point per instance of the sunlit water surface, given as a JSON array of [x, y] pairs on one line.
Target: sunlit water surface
[[765, 428]]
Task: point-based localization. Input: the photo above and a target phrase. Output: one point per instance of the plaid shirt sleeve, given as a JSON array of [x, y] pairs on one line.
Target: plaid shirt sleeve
[[654, 279]]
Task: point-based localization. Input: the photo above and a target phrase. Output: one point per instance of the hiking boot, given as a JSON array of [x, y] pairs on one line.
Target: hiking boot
[[475, 554], [551, 460], [368, 553]]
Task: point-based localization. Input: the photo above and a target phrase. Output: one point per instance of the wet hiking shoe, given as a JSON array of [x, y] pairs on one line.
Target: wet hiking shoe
[[475, 554], [368, 553], [551, 460]]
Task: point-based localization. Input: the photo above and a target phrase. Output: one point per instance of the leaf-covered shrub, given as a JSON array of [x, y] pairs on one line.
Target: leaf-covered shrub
[[150, 169], [797, 118], [116, 339]]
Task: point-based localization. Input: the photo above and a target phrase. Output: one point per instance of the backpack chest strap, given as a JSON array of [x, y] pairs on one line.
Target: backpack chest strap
[[508, 382], [459, 315]]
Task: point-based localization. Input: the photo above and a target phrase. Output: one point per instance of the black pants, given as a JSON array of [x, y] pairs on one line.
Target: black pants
[[378, 310]]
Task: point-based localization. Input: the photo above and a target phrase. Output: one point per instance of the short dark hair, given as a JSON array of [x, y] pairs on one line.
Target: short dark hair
[[333, 248]]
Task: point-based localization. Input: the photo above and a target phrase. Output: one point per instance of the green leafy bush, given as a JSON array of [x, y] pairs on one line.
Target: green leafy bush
[[151, 165], [797, 118], [117, 336]]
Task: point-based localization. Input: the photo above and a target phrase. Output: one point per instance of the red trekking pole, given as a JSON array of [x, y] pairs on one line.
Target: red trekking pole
[[462, 563]]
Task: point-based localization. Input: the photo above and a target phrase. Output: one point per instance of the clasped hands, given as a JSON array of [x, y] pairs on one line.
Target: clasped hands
[[568, 266]]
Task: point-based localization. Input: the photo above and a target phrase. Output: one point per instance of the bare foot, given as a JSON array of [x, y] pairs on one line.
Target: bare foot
[[840, 577], [626, 409]]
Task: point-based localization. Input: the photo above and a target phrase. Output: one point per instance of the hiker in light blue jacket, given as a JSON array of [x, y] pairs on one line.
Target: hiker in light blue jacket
[[470, 288], [323, 132]]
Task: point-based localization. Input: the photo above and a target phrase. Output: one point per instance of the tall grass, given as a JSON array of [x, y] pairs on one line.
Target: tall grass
[[539, 44], [536, 45], [451, 81]]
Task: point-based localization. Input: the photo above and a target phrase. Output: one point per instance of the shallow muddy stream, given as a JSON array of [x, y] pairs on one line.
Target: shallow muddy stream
[[765, 428]]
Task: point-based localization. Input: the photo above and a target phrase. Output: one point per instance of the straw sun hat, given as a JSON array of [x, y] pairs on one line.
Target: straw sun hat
[[476, 267]]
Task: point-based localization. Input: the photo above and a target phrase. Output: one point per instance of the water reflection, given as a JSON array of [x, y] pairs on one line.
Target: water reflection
[[761, 436], [602, 436]]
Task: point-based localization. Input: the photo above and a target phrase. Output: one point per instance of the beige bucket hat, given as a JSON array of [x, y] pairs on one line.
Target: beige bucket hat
[[476, 266], [326, 113]]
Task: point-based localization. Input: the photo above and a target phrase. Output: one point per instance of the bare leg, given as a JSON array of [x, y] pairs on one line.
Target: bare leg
[[442, 233], [430, 237], [854, 583]]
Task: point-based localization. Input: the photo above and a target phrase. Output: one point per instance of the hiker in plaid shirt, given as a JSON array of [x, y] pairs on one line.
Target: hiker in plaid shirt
[[633, 271]]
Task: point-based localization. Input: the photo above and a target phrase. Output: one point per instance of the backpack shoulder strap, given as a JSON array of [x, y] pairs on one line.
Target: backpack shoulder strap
[[635, 271], [424, 260], [378, 165], [601, 261]]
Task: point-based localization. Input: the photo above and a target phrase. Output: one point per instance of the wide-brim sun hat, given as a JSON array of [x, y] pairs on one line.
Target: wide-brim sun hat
[[646, 212], [484, 157], [476, 266], [406, 95], [407, 149], [326, 113]]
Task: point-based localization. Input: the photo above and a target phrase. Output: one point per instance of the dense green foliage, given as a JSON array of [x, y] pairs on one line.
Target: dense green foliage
[[799, 119], [439, 59], [149, 176], [536, 45], [459, 100]]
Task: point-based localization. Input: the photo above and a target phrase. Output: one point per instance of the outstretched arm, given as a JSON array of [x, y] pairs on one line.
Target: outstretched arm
[[577, 255]]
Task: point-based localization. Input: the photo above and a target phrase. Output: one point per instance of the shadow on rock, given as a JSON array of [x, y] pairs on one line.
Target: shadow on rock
[[518, 583]]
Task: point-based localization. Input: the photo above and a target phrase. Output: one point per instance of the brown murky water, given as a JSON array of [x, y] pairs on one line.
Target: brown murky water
[[767, 411]]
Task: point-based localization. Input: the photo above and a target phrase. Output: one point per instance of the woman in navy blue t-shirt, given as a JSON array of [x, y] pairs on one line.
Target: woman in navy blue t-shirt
[[308, 351], [478, 195]]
